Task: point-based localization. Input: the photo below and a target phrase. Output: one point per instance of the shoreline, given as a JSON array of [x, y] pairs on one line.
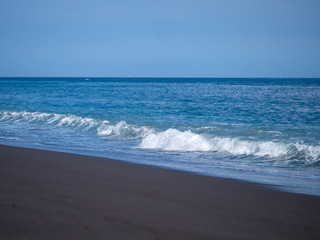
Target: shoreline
[[274, 185], [55, 195]]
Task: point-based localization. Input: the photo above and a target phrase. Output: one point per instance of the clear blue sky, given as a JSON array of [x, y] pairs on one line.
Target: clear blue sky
[[165, 38]]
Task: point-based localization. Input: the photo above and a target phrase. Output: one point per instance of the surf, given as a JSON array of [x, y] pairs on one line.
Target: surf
[[174, 140]]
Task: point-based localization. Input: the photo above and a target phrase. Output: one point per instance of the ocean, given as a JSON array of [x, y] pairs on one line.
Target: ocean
[[258, 130]]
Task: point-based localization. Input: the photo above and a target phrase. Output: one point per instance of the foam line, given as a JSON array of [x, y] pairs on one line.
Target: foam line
[[173, 139]]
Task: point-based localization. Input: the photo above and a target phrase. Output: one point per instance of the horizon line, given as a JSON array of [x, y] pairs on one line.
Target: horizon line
[[137, 77]]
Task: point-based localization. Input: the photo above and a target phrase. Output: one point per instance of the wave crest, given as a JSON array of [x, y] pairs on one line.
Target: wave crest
[[175, 140], [65, 120], [124, 130], [102, 128]]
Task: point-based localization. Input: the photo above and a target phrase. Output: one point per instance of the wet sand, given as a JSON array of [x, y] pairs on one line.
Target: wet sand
[[52, 195]]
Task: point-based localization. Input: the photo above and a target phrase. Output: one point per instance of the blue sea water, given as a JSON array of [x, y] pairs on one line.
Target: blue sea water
[[260, 130]]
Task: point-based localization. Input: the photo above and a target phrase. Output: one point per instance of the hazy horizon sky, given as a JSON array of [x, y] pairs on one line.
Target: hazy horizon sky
[[203, 38]]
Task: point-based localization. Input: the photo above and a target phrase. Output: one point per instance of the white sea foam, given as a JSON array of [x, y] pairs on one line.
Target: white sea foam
[[122, 129], [173, 139], [66, 120], [102, 127]]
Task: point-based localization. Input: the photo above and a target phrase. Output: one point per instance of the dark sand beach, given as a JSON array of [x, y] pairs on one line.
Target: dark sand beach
[[52, 195]]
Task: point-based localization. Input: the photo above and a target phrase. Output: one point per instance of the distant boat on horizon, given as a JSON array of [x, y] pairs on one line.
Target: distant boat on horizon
[[87, 79]]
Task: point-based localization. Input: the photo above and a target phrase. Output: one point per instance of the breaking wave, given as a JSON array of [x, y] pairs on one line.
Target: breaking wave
[[122, 129], [173, 139], [101, 127], [65, 120]]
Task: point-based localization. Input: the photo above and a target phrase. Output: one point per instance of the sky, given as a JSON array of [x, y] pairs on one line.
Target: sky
[[160, 38]]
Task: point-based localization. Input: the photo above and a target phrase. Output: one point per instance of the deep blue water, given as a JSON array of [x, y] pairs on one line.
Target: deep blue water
[[261, 130]]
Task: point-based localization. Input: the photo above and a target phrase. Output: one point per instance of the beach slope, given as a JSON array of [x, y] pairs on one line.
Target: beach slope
[[53, 195]]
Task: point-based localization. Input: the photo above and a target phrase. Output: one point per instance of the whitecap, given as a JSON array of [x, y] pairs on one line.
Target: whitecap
[[124, 130], [175, 140]]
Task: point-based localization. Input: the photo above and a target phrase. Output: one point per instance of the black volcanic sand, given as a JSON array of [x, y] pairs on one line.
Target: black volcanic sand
[[51, 195]]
